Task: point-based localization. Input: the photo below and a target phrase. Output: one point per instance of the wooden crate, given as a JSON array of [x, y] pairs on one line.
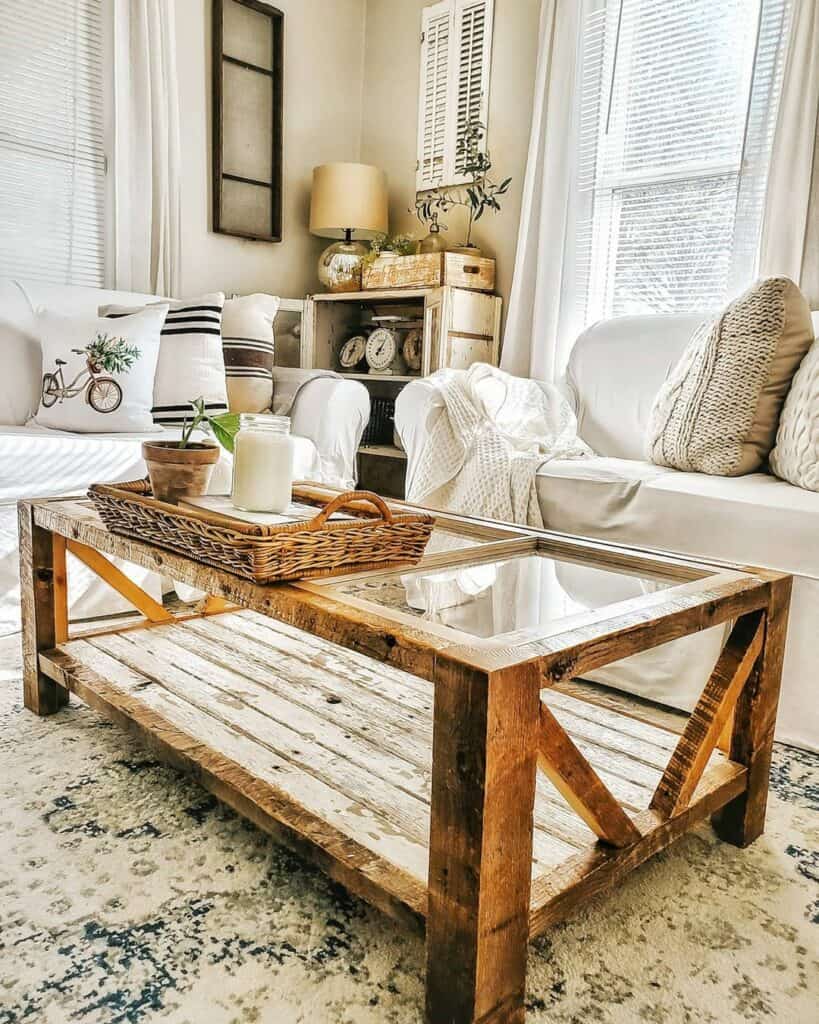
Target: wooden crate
[[430, 270]]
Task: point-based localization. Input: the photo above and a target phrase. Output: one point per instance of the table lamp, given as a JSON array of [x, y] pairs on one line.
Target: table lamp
[[346, 198]]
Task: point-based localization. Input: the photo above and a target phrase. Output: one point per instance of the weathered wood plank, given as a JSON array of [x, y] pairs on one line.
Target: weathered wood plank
[[597, 870], [117, 580], [60, 571], [697, 743], [358, 710], [577, 782], [41, 618], [743, 820], [483, 792], [376, 779], [625, 628], [298, 811]]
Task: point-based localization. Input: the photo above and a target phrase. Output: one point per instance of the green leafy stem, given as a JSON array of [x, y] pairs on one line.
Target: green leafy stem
[[224, 427]]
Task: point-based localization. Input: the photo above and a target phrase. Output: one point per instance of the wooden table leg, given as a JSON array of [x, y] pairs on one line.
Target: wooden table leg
[[480, 856], [743, 819], [44, 610]]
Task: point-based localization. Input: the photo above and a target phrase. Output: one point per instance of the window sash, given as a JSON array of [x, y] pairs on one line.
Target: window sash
[[634, 161], [54, 139]]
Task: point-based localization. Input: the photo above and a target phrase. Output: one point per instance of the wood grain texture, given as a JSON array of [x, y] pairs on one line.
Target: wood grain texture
[[625, 628], [357, 868], [709, 716], [117, 580], [582, 788], [743, 820], [39, 594], [597, 870], [60, 570], [483, 787]]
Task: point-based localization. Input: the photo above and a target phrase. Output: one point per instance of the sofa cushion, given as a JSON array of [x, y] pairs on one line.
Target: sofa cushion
[[21, 381], [751, 520], [615, 370], [795, 457], [190, 357], [248, 346], [718, 411], [98, 375]]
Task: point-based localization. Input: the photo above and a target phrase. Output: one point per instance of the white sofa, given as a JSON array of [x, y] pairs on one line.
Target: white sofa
[[615, 371], [327, 420]]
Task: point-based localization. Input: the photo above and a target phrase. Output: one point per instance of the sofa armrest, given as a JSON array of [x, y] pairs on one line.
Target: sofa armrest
[[416, 409], [333, 414]]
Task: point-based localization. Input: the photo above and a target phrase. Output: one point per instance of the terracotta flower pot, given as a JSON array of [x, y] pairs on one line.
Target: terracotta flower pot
[[179, 472]]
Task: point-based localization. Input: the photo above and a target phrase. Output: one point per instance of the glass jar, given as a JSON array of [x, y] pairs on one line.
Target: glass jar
[[262, 463]]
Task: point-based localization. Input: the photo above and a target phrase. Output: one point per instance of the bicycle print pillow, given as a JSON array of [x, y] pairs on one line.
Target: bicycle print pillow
[[98, 374]]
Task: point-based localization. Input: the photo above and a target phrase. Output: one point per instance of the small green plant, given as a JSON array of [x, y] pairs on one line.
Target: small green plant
[[478, 195], [401, 245], [224, 427], [111, 354]]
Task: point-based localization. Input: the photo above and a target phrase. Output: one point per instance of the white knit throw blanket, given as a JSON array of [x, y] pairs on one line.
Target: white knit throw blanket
[[482, 454]]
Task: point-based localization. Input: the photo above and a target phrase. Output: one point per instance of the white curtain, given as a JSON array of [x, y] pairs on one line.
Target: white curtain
[[790, 232], [147, 228], [534, 345]]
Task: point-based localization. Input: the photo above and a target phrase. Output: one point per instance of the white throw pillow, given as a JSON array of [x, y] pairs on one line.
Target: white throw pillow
[[795, 457], [98, 376], [248, 345], [191, 364]]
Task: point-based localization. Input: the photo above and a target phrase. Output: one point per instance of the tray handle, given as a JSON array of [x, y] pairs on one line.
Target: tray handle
[[342, 500]]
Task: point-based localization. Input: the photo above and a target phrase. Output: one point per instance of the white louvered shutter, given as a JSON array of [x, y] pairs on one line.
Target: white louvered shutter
[[473, 28], [434, 128], [52, 155], [677, 112], [456, 49]]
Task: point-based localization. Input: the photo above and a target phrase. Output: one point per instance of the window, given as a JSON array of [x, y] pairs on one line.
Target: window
[[678, 105], [456, 48], [52, 152]]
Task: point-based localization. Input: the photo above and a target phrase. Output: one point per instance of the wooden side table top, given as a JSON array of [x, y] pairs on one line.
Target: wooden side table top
[[422, 733]]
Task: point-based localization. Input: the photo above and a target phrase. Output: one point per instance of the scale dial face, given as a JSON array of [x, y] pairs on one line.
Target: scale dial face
[[352, 351], [382, 348], [412, 349]]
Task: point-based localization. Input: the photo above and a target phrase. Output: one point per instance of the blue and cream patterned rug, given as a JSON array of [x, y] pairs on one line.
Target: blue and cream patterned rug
[[128, 895]]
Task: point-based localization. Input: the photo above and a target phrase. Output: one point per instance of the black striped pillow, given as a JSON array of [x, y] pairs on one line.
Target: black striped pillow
[[191, 364]]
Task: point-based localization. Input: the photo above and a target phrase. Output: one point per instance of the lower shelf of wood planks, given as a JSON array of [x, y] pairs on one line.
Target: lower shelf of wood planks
[[331, 752]]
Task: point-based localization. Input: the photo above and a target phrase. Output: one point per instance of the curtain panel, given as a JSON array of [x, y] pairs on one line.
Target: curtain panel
[[790, 232], [147, 190]]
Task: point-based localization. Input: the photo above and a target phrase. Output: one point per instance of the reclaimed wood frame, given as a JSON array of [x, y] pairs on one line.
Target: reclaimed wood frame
[[492, 731], [276, 75]]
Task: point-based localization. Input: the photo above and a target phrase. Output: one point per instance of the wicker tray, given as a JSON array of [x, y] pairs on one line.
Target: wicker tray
[[374, 538]]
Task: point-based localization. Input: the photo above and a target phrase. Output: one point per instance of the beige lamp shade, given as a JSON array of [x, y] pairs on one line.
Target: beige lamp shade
[[350, 196]]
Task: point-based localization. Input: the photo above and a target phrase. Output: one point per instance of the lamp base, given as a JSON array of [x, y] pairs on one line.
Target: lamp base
[[339, 266]]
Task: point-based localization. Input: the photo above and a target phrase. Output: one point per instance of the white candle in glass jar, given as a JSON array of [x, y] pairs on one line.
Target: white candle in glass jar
[[262, 464]]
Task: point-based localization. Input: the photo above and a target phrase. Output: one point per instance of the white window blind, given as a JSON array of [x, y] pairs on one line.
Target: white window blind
[[52, 155], [678, 103], [456, 50]]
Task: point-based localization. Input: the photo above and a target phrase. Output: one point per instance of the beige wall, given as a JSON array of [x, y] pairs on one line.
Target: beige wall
[[389, 125], [351, 93], [324, 51]]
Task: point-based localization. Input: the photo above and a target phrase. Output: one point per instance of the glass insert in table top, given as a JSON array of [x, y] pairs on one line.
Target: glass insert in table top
[[490, 598]]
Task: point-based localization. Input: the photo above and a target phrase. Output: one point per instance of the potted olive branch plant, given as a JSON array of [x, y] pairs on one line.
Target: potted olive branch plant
[[183, 468], [479, 194]]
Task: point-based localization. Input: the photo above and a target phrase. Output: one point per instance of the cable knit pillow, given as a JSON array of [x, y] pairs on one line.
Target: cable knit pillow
[[796, 455], [719, 408]]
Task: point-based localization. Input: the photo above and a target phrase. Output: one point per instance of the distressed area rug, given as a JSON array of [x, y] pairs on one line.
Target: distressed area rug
[[127, 894]]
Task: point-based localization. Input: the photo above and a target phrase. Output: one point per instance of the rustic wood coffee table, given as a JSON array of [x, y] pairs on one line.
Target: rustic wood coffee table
[[422, 734]]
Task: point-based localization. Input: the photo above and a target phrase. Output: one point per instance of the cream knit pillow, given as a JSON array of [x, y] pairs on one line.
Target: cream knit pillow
[[719, 408], [796, 455]]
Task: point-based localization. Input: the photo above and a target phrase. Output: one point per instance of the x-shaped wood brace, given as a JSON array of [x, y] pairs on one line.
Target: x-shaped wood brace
[[583, 789]]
